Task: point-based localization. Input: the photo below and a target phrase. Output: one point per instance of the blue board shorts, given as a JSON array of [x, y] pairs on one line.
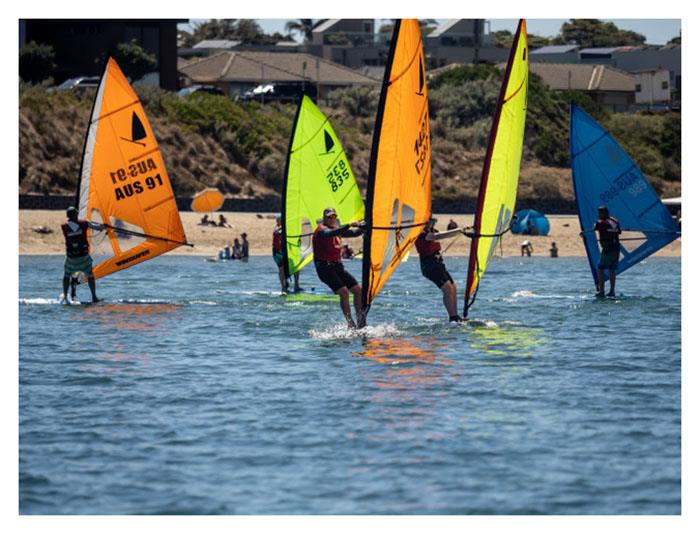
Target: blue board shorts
[[81, 264], [433, 268], [279, 259], [609, 256]]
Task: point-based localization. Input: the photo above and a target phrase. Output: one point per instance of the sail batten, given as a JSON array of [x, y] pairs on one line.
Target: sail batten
[[604, 174], [124, 185], [317, 176], [499, 179]]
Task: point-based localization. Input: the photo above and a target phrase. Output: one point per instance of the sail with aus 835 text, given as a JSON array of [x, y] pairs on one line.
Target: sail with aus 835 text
[[123, 182], [398, 186], [604, 174], [499, 179], [318, 176]]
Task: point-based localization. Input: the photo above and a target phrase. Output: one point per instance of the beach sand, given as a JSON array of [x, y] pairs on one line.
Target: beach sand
[[208, 239]]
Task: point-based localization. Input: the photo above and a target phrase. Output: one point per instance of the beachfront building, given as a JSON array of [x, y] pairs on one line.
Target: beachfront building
[[82, 45], [610, 87], [460, 41], [239, 73], [631, 59]]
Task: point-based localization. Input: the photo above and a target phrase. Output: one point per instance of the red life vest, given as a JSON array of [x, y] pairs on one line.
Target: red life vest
[[326, 248], [608, 230], [277, 240], [426, 248], [76, 234]]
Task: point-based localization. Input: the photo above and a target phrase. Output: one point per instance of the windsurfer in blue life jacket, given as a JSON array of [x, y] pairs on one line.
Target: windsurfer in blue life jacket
[[609, 231], [327, 243], [78, 260], [433, 267]]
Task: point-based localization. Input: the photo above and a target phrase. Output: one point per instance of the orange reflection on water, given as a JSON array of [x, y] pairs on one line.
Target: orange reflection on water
[[129, 315], [412, 360]]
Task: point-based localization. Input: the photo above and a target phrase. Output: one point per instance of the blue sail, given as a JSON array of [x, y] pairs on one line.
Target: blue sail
[[604, 174]]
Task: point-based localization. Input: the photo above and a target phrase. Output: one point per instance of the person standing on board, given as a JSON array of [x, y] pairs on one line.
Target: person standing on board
[[78, 260], [279, 258], [609, 231], [433, 267], [327, 243]]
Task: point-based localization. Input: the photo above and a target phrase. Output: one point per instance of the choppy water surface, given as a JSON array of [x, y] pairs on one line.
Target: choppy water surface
[[196, 388]]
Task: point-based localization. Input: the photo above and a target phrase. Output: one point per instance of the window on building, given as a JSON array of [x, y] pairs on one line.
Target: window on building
[[638, 88], [664, 85]]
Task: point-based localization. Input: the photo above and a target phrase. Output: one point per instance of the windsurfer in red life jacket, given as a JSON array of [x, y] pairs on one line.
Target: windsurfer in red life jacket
[[78, 259], [609, 231], [327, 243], [433, 267], [279, 259]]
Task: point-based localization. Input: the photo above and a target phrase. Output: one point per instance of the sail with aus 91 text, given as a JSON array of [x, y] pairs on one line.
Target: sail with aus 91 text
[[124, 185]]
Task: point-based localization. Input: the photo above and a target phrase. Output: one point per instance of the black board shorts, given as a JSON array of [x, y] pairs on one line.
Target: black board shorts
[[433, 268], [334, 275]]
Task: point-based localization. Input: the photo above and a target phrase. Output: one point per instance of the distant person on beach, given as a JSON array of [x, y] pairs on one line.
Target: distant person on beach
[[609, 231], [433, 267], [327, 243], [452, 224], [279, 258], [223, 222], [237, 251], [526, 249], [245, 247], [78, 260], [205, 220], [554, 251]]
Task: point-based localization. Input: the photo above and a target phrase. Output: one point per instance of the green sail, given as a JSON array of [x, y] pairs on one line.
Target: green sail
[[317, 176]]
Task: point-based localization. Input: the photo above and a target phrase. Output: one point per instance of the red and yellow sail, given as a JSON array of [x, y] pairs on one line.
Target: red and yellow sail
[[123, 181], [499, 179], [398, 188]]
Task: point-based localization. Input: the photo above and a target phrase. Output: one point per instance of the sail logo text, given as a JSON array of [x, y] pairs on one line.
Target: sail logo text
[[631, 181], [338, 175], [136, 187], [134, 170], [421, 145]]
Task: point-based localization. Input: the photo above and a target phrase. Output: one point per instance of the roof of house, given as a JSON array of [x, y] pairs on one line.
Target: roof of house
[[258, 67], [583, 77], [444, 28], [601, 51], [325, 25], [555, 49], [216, 43]]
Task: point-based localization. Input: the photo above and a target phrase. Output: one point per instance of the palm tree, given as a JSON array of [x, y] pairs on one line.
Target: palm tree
[[303, 27]]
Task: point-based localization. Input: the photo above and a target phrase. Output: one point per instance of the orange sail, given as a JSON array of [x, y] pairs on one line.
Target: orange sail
[[123, 182], [398, 188]]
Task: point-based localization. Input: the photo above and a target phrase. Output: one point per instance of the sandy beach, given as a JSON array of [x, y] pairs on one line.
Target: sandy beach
[[209, 239]]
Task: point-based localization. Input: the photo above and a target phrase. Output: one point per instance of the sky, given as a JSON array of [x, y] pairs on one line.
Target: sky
[[657, 31]]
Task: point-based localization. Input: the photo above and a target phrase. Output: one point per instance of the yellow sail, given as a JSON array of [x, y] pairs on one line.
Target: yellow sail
[[123, 182], [398, 187], [499, 179]]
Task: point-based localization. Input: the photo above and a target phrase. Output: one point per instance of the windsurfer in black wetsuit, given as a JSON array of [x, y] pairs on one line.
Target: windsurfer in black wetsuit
[[78, 259], [433, 267], [327, 244]]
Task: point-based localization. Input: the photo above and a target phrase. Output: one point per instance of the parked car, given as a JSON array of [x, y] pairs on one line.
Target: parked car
[[274, 91], [79, 83], [191, 89]]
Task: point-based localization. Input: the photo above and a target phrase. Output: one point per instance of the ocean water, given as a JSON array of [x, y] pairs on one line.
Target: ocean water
[[195, 388]]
